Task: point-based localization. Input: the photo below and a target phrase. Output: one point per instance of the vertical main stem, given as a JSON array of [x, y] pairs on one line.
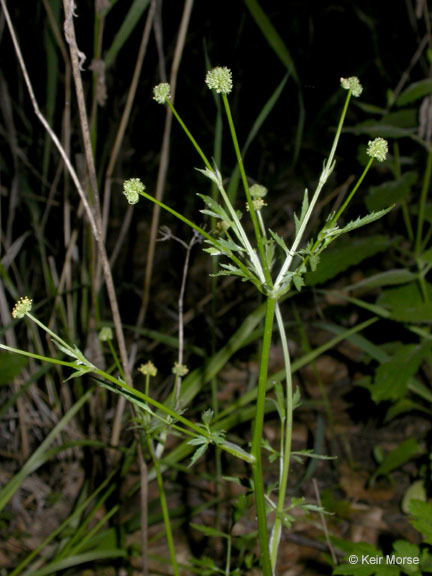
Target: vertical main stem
[[256, 440], [165, 512], [422, 202]]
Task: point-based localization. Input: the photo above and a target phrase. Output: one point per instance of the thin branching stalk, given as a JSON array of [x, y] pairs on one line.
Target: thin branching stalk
[[324, 523], [285, 458], [189, 134], [178, 377], [351, 194]]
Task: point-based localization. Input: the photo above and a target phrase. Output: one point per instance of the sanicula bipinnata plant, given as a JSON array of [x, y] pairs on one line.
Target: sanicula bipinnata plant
[[275, 266], [256, 262]]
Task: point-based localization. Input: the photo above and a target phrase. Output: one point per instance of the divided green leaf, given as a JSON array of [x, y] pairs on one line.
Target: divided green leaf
[[345, 255]]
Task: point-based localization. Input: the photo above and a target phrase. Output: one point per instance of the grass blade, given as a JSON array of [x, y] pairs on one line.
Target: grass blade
[[128, 25], [37, 458]]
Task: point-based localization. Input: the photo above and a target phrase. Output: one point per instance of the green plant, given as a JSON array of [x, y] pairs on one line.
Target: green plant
[[251, 264]]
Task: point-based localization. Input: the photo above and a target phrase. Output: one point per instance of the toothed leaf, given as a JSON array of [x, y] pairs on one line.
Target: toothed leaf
[[197, 454]]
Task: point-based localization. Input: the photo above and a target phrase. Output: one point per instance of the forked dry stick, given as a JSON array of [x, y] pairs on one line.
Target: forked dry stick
[[76, 57]]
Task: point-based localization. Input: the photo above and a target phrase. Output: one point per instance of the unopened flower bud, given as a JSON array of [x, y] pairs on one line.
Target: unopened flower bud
[[105, 334]]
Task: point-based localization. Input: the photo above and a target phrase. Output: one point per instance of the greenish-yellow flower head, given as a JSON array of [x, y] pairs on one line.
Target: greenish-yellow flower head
[[258, 204], [378, 149], [162, 93], [21, 308], [180, 369], [258, 191], [105, 334], [220, 80], [148, 369], [132, 189], [353, 84]]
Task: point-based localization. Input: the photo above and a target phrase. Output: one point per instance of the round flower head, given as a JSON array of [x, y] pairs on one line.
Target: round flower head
[[180, 369], [105, 334], [148, 369], [353, 84], [258, 191], [132, 189], [258, 204], [21, 308], [377, 149], [220, 80], [162, 92]]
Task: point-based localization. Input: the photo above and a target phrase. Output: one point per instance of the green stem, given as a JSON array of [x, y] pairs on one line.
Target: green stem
[[239, 228], [242, 236], [217, 155], [189, 135], [328, 168], [422, 201], [38, 356], [398, 175], [207, 236], [136, 394], [286, 456], [228, 557], [350, 195], [257, 436], [116, 360], [47, 330], [247, 192], [164, 507]]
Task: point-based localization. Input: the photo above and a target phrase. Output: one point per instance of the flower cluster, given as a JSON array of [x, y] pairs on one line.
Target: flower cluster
[[258, 204], [220, 80], [353, 84], [132, 189], [105, 334], [258, 191], [21, 308], [162, 92], [378, 149], [180, 369], [148, 369]]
